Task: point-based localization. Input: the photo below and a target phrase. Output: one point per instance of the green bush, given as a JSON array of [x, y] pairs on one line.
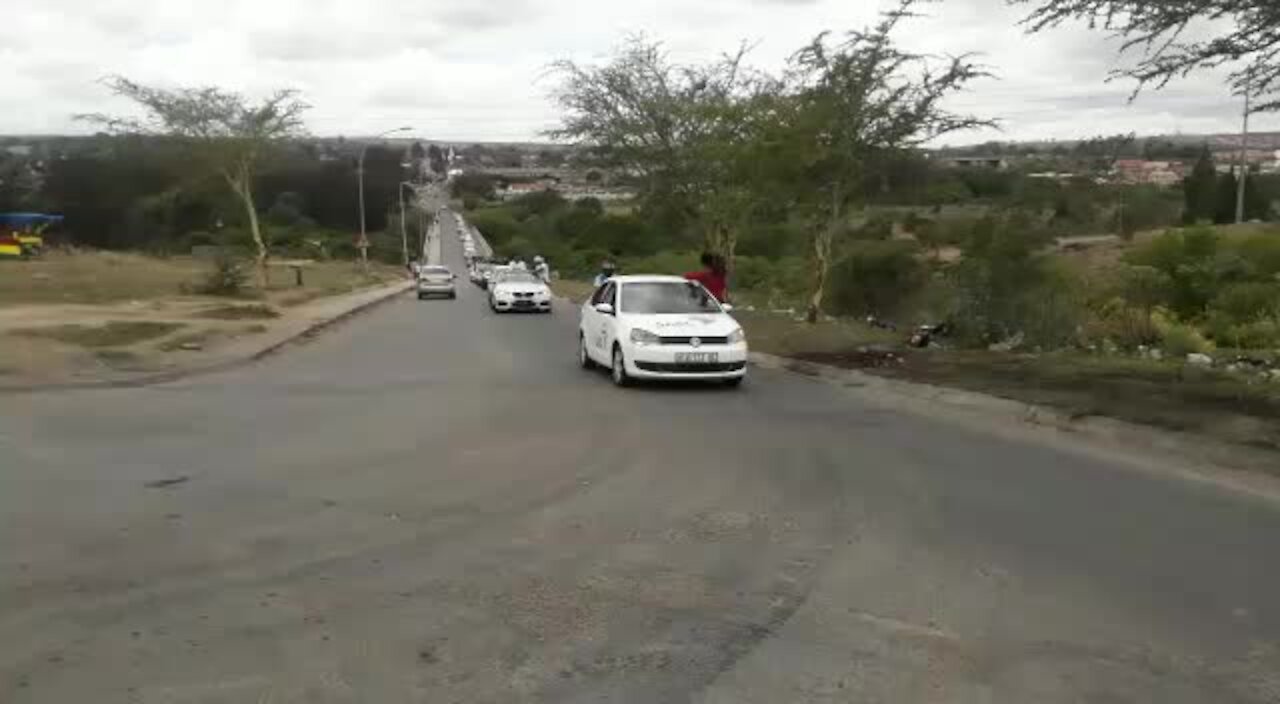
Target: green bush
[[200, 238], [1189, 258], [1262, 251], [1180, 340], [1118, 323], [753, 273], [1248, 302], [674, 263], [537, 203], [1003, 288], [1260, 334], [1246, 315], [226, 278], [1144, 287], [496, 224], [876, 276]]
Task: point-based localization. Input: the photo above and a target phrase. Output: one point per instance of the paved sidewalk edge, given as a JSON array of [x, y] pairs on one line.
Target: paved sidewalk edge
[[928, 399], [366, 300]]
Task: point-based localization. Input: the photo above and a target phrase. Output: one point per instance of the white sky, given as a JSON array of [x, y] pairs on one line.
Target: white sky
[[476, 69]]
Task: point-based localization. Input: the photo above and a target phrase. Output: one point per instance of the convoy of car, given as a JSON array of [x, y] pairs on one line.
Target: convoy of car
[[638, 327]]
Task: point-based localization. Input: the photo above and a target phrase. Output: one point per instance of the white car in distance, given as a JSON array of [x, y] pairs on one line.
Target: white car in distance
[[518, 290], [661, 327]]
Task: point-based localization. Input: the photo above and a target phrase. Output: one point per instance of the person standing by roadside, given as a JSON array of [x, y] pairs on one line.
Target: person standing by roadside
[[712, 276]]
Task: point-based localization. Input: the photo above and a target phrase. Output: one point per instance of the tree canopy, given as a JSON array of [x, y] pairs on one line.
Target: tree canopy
[[221, 131]]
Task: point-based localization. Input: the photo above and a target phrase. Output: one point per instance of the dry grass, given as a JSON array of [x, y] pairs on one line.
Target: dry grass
[[334, 277], [108, 277], [117, 333], [94, 277]]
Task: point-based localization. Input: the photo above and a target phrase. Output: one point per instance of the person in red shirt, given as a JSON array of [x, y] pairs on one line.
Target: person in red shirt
[[712, 276]]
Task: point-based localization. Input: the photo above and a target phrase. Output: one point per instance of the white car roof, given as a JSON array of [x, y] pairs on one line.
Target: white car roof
[[647, 279]]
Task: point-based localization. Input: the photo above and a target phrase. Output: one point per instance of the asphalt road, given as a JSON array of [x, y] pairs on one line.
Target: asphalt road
[[433, 504]]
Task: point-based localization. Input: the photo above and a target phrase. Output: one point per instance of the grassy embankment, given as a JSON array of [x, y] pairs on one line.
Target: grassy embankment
[[1167, 394]]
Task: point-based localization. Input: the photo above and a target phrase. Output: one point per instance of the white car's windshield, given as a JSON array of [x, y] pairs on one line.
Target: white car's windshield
[[518, 277], [434, 270], [667, 297]]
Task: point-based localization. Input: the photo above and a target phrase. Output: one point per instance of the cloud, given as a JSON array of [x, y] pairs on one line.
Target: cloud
[[475, 70]]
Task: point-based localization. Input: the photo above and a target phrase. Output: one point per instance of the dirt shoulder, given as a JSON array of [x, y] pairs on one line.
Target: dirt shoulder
[[1168, 395], [106, 317]]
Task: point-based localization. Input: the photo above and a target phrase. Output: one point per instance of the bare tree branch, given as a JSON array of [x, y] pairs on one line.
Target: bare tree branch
[[1244, 34]]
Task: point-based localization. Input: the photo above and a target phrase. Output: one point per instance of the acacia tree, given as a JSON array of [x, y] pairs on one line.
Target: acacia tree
[[683, 130], [1245, 34], [853, 106], [221, 131]]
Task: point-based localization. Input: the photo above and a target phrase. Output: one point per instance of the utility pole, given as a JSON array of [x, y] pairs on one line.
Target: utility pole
[[1244, 150]]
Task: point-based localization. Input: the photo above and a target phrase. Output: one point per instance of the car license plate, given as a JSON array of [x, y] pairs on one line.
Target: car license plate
[[697, 357]]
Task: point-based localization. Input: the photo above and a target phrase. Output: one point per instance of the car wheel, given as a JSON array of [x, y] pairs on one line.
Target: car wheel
[[735, 382], [584, 358], [619, 369], [420, 296]]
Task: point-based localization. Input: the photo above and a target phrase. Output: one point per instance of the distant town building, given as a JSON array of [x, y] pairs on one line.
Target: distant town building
[[516, 190], [987, 162], [600, 194], [1059, 176], [1266, 161], [568, 192], [1144, 171]]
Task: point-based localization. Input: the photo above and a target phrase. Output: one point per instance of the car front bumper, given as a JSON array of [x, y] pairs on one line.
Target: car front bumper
[[523, 304], [659, 362]]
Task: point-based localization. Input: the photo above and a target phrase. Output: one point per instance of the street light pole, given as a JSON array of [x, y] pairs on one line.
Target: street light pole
[[364, 236], [404, 232]]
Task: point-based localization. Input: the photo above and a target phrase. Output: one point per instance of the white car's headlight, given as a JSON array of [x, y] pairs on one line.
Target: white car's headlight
[[737, 337], [644, 337]]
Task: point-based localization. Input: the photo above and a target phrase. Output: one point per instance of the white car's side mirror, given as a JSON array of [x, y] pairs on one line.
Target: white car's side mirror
[[728, 308], [605, 308]]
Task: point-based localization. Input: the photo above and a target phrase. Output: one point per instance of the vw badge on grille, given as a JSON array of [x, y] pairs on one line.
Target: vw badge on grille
[[695, 342]]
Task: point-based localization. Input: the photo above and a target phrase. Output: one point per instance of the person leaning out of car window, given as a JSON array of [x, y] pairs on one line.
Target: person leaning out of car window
[[607, 270], [712, 276]]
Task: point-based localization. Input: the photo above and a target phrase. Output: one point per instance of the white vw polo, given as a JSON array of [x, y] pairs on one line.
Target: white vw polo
[[660, 327]]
